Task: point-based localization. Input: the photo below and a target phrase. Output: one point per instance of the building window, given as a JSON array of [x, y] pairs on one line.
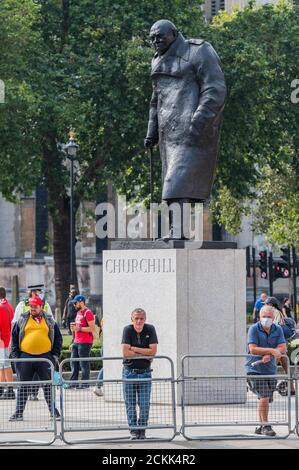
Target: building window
[[217, 5]]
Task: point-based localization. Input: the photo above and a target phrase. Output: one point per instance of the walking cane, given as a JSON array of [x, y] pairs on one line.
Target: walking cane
[[151, 190], [151, 176]]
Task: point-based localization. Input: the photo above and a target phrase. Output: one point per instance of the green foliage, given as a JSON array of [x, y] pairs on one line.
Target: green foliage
[[259, 152], [86, 64], [95, 352]]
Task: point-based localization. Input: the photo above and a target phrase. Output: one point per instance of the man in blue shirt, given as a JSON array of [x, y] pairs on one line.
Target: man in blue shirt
[[258, 305], [266, 340]]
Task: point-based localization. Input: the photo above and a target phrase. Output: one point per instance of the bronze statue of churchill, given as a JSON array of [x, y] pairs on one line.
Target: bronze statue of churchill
[[185, 112]]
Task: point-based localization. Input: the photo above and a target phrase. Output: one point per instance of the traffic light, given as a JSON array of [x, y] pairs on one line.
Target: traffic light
[[280, 270], [263, 264], [286, 263]]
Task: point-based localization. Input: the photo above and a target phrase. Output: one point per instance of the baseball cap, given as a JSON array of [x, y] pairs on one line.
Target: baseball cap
[[35, 301], [79, 298]]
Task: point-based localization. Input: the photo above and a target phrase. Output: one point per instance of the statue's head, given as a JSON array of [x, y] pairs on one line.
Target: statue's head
[[162, 35]]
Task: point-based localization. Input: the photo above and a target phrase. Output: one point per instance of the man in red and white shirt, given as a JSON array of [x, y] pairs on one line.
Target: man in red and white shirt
[[83, 329], [6, 316]]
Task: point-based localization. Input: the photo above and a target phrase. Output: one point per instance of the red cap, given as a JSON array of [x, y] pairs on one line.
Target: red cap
[[35, 301]]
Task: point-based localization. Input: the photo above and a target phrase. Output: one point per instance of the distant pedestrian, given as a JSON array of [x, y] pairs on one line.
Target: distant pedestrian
[[6, 374], [98, 389], [139, 339], [83, 329], [69, 311], [36, 290], [258, 305], [287, 308]]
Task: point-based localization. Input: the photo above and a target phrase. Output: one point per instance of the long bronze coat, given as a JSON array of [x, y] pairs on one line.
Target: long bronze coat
[[185, 116]]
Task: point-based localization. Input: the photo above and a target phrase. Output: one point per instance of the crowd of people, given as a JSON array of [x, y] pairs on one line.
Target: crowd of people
[[31, 332]]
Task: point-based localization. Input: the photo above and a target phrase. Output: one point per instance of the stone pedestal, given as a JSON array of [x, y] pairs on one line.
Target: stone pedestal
[[196, 299]]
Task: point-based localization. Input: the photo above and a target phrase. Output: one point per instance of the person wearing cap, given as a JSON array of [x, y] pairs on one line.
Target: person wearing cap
[[35, 335], [36, 290], [83, 329]]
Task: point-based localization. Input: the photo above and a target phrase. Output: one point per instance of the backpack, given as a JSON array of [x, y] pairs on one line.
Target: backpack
[[287, 324], [289, 328], [95, 335]]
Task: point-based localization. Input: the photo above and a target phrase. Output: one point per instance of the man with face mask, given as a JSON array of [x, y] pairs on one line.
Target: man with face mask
[[265, 340]]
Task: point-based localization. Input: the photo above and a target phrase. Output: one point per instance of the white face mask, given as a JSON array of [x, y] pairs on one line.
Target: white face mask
[[266, 322], [41, 296]]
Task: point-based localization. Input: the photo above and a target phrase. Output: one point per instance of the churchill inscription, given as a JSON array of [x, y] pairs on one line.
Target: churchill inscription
[[143, 265]]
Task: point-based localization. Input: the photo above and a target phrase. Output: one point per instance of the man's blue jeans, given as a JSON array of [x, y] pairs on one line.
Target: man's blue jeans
[[80, 350], [137, 393], [100, 378]]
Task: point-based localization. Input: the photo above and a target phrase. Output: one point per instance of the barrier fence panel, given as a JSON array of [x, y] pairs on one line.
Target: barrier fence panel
[[23, 421], [214, 404], [296, 361], [125, 406]]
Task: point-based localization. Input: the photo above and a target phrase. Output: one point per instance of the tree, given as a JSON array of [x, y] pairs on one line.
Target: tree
[[77, 74], [259, 154]]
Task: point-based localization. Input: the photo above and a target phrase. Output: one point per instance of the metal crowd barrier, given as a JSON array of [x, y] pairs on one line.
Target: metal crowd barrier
[[296, 377], [212, 399], [36, 416], [104, 418]]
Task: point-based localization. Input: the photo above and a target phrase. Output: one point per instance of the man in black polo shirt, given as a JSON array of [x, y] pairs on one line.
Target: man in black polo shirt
[[139, 339]]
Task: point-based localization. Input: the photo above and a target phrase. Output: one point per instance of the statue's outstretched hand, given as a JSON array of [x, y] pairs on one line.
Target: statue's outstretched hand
[[149, 142]]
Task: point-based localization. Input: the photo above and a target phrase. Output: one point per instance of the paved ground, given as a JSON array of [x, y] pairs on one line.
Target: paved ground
[[86, 414]]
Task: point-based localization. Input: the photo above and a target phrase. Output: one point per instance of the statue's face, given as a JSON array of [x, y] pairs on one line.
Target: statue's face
[[161, 38]]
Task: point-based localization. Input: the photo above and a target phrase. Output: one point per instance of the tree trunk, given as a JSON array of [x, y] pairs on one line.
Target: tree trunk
[[59, 207]]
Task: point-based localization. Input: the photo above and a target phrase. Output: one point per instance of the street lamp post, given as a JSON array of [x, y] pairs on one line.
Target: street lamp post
[[71, 149]]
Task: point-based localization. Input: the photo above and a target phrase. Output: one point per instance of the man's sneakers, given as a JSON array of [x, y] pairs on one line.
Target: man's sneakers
[[134, 435], [9, 394], [17, 416], [137, 435], [265, 430], [57, 415], [33, 397], [98, 391]]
